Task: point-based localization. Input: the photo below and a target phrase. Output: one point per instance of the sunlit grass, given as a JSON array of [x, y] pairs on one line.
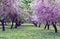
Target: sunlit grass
[[29, 32]]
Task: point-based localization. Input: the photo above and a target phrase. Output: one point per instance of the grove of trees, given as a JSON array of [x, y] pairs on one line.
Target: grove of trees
[[47, 12], [37, 12]]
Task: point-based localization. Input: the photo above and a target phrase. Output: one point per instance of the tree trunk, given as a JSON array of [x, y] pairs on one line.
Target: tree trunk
[[39, 24], [3, 27], [47, 26], [12, 24], [54, 25], [15, 24]]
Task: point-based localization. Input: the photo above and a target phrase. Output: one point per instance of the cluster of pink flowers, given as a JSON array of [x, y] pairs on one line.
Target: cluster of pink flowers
[[47, 11], [9, 8]]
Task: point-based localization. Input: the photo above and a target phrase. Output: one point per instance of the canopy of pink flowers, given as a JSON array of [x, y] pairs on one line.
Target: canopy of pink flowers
[[46, 11], [9, 8]]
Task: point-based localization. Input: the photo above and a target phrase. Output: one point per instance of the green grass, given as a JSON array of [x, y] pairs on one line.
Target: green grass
[[29, 31]]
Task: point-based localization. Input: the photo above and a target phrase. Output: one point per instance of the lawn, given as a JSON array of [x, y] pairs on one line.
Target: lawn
[[29, 31]]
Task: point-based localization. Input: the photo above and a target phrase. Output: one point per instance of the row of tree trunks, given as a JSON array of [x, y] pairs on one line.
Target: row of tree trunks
[[47, 26], [53, 24], [17, 24]]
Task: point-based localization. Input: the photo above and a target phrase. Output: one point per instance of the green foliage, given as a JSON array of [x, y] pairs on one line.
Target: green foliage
[[25, 4]]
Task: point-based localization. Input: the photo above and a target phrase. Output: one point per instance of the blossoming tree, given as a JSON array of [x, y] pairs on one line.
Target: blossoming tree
[[47, 11]]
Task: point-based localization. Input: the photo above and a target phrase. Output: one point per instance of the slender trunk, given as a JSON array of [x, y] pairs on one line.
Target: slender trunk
[[12, 25], [39, 24], [3, 27], [15, 24], [35, 24], [47, 26], [54, 25]]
